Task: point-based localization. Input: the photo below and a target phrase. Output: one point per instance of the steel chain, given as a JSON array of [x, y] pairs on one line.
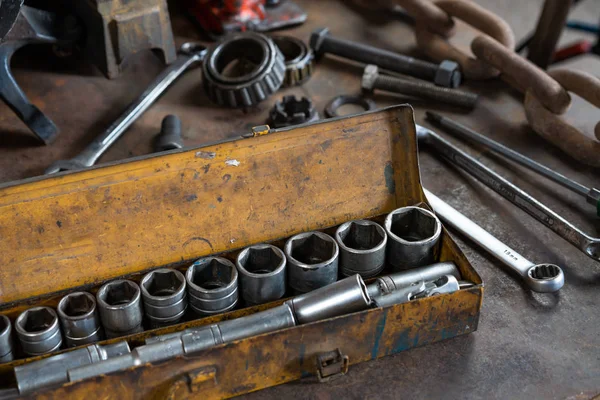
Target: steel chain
[[546, 94]]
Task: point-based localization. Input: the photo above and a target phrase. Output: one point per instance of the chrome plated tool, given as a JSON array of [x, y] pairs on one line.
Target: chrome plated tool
[[592, 195], [539, 277], [190, 54], [587, 244]]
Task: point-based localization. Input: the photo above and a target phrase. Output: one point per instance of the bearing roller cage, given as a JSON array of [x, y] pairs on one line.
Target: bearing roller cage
[[250, 87]]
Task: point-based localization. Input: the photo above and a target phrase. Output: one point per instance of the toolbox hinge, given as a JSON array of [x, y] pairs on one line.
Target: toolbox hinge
[[331, 365]]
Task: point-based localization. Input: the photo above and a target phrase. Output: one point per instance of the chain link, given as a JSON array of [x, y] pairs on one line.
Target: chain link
[[546, 95]]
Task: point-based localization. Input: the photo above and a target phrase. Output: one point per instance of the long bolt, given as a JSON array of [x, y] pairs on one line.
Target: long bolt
[[592, 195], [446, 74], [373, 80]]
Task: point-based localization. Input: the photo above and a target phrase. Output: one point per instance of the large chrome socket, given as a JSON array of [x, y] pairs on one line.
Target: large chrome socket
[[80, 319], [262, 273], [54, 370], [212, 285], [362, 248], [120, 308], [6, 340], [38, 331], [342, 297], [164, 296], [413, 237], [312, 261]]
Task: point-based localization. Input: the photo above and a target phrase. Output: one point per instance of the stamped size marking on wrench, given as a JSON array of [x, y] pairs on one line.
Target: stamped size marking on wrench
[[539, 277], [189, 54], [587, 244]]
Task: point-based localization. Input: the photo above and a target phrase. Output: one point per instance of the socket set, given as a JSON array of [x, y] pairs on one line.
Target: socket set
[[258, 274], [195, 265]]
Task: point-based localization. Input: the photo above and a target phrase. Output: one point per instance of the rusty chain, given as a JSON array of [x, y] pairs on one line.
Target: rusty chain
[[546, 94]]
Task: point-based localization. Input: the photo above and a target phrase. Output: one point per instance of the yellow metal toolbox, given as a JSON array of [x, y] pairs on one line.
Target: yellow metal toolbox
[[79, 230]]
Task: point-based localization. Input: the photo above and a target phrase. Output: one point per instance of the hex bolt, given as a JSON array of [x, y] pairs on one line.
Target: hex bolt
[[164, 296], [373, 80], [169, 137], [79, 318], [445, 74], [38, 331]]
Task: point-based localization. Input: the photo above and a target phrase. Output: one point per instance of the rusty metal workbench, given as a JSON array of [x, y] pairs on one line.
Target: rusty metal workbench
[[527, 345]]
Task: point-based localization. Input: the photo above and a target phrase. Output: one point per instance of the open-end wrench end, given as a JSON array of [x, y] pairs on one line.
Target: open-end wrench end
[[42, 126], [64, 165]]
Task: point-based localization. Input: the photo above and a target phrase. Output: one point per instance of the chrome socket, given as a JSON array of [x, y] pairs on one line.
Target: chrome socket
[[362, 248], [212, 285], [312, 261], [6, 340], [342, 297], [414, 235], [54, 369], [38, 331], [164, 296], [120, 308], [79, 319], [262, 273]]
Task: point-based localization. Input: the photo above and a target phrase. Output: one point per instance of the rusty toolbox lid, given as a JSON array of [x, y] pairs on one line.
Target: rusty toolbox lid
[[82, 228]]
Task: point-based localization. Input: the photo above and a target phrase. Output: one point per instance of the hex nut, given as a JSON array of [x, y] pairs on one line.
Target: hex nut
[[316, 40], [448, 74], [369, 77]]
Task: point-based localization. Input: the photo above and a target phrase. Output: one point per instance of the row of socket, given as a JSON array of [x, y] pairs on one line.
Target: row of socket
[[210, 285]]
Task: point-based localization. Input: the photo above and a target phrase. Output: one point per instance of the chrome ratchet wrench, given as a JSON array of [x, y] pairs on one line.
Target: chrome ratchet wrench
[[587, 244], [190, 54], [541, 278]]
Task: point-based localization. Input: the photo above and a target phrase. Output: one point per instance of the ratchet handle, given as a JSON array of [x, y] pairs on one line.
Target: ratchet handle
[[477, 234]]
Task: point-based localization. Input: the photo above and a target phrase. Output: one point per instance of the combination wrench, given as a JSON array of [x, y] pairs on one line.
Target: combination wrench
[[190, 54], [587, 244], [541, 278]]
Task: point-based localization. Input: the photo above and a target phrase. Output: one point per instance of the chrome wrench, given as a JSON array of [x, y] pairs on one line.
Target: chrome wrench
[[189, 55], [587, 244], [541, 278]]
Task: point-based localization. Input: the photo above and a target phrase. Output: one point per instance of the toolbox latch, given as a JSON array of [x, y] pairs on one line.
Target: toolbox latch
[[260, 130], [193, 381], [331, 365]]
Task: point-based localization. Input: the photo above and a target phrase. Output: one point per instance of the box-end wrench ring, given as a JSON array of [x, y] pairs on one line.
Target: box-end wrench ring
[[189, 54], [588, 245], [543, 278]]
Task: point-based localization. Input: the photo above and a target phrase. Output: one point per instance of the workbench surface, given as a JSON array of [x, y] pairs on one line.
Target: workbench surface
[[527, 344]]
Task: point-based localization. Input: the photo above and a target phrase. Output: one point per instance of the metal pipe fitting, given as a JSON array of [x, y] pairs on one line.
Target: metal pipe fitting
[[79, 319], [312, 261], [164, 296], [262, 273], [414, 234], [54, 370], [342, 297], [212, 285], [404, 279], [120, 308], [6, 340], [38, 331], [362, 248]]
